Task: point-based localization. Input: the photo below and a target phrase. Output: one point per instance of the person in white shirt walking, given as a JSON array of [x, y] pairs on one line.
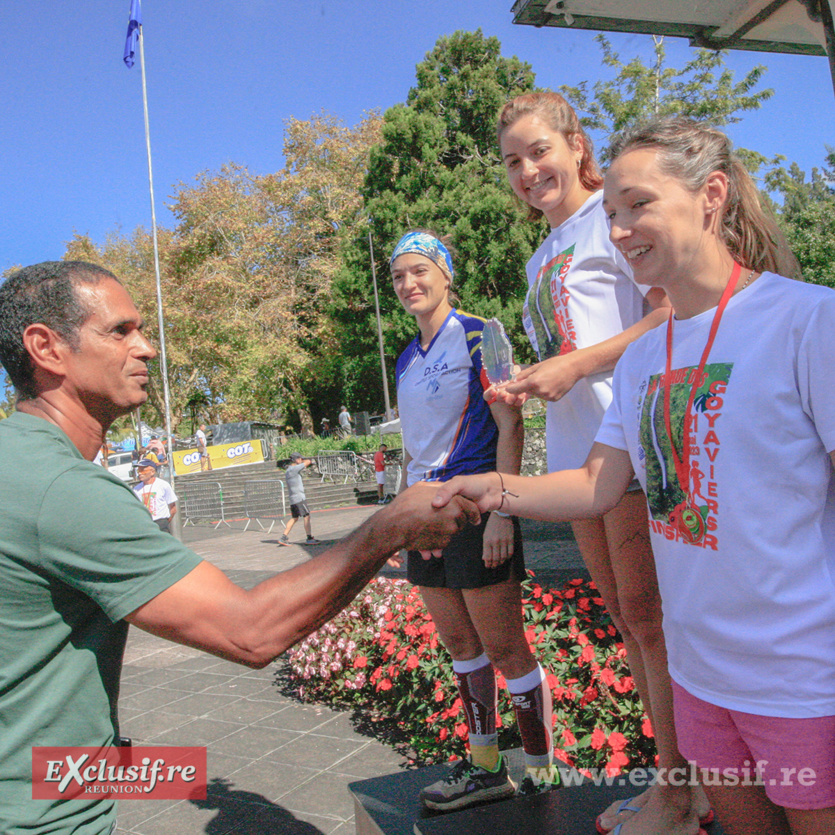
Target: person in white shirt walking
[[156, 494]]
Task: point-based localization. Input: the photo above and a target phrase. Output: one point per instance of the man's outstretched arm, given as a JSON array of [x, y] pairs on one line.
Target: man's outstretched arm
[[208, 611]]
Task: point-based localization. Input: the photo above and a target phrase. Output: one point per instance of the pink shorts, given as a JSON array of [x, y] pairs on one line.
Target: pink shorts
[[793, 759]]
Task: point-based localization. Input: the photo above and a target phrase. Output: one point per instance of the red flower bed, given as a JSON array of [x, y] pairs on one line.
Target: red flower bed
[[382, 656]]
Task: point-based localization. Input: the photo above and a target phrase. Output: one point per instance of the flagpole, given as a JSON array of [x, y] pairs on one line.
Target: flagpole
[[160, 318], [379, 329]]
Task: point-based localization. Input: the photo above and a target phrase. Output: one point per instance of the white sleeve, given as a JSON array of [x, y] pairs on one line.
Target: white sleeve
[[611, 430], [815, 359]]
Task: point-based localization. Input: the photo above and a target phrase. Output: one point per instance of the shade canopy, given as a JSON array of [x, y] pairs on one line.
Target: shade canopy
[[798, 26]]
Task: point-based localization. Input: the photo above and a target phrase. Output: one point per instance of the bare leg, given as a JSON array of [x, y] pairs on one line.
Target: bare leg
[[745, 810], [456, 630], [619, 558], [289, 526], [307, 527], [496, 614]]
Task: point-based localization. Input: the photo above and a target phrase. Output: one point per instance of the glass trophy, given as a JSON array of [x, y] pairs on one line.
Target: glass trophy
[[496, 353]]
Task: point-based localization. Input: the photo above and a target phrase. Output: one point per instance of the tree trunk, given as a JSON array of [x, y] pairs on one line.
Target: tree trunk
[[306, 420]]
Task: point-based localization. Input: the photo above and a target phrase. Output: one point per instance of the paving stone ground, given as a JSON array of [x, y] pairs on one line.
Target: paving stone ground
[[276, 766]]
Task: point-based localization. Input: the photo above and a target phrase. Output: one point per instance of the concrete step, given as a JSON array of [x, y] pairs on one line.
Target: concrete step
[[390, 805]]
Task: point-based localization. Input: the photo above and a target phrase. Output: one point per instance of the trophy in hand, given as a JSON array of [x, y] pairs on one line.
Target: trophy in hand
[[496, 353]]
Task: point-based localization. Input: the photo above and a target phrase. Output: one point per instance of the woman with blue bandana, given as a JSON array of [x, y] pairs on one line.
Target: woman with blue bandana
[[472, 591]]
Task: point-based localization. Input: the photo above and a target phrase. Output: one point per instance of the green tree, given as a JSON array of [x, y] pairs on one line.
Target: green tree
[[259, 254], [807, 216], [246, 274], [437, 166], [703, 89]]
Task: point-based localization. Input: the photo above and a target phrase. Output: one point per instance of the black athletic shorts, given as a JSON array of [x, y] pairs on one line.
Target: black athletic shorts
[[462, 566], [299, 509]]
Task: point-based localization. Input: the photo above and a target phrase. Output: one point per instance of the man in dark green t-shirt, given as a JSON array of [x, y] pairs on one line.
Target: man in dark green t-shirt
[[80, 558]]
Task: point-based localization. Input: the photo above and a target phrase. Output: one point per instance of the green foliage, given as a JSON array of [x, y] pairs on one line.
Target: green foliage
[[807, 216], [382, 657], [7, 400], [246, 274], [437, 166], [703, 89], [360, 444]]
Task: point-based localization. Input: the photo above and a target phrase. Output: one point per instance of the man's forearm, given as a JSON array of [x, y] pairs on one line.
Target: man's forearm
[[298, 601], [208, 611]]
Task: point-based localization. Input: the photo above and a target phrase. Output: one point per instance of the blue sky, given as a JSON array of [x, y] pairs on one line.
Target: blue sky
[[222, 77]]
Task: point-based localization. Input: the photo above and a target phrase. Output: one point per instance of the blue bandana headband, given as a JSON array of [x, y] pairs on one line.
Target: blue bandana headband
[[428, 245]]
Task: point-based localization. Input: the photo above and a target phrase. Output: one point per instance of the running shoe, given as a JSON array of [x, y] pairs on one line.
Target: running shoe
[[467, 784], [529, 787]]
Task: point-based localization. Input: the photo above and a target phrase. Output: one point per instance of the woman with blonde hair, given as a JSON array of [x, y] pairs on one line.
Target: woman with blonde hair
[[727, 416]]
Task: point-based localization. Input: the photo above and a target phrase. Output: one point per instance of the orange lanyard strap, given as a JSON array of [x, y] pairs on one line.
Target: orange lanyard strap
[[682, 464]]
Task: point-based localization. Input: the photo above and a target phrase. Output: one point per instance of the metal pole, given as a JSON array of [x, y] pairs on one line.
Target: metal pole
[[827, 8], [160, 319], [379, 328]]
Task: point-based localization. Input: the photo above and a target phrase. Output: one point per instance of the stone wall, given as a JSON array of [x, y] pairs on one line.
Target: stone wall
[[534, 459]]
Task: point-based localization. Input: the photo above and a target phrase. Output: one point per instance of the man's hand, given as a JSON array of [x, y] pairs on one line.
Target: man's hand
[[422, 525]]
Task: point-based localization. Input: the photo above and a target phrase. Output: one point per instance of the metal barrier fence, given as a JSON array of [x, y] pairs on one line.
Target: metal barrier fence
[[394, 473], [204, 501], [335, 465], [264, 500]]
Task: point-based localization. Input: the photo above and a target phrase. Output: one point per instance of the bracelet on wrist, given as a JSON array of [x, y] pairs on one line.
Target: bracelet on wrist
[[505, 493]]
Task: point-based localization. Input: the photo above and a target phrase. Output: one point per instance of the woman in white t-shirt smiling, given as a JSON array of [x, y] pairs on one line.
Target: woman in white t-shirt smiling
[[727, 416], [581, 311]]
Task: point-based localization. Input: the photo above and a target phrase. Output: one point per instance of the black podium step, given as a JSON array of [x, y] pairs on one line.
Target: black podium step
[[389, 806]]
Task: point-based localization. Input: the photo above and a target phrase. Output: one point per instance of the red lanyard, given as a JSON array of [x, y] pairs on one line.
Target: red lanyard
[[682, 464]]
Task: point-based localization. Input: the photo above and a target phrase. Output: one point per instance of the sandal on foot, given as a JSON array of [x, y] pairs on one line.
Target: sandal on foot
[[704, 820], [624, 807]]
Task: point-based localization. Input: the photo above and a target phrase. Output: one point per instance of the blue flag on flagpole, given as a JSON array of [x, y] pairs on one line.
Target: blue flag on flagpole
[[134, 23]]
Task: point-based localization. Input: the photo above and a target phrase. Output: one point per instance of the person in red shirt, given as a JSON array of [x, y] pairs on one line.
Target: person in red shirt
[[380, 472]]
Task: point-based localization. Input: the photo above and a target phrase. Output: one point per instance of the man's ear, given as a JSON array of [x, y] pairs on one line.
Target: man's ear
[[45, 347]]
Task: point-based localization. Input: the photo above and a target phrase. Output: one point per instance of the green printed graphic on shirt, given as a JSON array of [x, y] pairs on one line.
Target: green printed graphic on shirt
[[674, 514], [547, 320]]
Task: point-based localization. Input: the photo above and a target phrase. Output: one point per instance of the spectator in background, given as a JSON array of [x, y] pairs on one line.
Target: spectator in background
[[380, 473], [345, 421], [202, 448], [325, 428], [298, 500], [156, 446], [156, 494]]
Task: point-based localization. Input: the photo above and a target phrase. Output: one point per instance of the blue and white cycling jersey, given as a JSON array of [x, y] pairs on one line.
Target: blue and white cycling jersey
[[447, 426]]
